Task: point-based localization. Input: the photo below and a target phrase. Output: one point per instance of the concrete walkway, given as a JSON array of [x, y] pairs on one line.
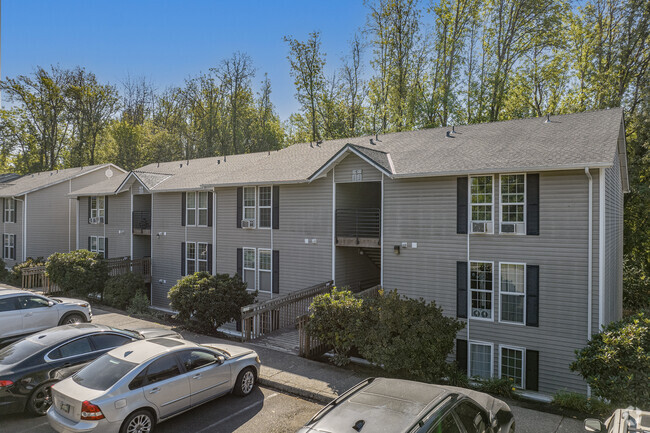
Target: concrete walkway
[[323, 382]]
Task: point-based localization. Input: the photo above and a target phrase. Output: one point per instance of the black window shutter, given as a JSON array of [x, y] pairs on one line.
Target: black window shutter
[[210, 258], [4, 200], [105, 209], [3, 247], [461, 205], [240, 204], [183, 258], [13, 215], [105, 248], [210, 205], [89, 207], [276, 207], [276, 271], [89, 243], [461, 354], [13, 252], [461, 289], [532, 204], [240, 264], [183, 213], [532, 295], [532, 370]]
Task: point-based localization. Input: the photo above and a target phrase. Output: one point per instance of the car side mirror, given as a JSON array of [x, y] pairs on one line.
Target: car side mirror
[[221, 359], [51, 303], [594, 425]]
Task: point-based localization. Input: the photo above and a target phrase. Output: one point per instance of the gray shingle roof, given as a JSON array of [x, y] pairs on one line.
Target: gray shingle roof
[[566, 142]]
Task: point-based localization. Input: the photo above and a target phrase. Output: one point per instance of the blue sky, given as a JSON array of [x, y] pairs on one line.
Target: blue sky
[[170, 40]]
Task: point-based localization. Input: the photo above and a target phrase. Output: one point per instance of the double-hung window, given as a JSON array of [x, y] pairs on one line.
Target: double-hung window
[[202, 213], [512, 365], [190, 258], [98, 245], [9, 246], [191, 209], [249, 205], [481, 282], [202, 257], [264, 207], [97, 209], [480, 360], [513, 203], [10, 210], [196, 208], [250, 267], [264, 270], [481, 190], [512, 292]]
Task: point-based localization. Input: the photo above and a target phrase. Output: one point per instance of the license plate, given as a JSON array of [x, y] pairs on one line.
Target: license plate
[[65, 407]]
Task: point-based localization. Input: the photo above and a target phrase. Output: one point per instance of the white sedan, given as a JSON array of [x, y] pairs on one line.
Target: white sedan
[[23, 312]]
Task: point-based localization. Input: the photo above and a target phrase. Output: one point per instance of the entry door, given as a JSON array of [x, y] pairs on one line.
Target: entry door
[[209, 378], [166, 387], [37, 313], [11, 317]]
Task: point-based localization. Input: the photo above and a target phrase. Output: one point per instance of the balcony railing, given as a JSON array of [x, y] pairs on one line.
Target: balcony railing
[[141, 222], [358, 224]]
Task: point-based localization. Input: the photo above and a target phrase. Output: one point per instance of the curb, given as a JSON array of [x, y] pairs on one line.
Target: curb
[[294, 390]]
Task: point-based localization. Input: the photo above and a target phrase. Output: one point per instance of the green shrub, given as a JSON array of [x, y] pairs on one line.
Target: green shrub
[[121, 289], [496, 386], [5, 274], [581, 403], [407, 336], [80, 272], [139, 304], [616, 362], [205, 302], [636, 287], [456, 377], [334, 321], [15, 276]]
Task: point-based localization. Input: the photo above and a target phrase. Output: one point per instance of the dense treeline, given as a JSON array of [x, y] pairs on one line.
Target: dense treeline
[[413, 65]]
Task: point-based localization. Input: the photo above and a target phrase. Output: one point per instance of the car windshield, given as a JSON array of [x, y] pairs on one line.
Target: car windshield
[[103, 373], [131, 332], [19, 351], [214, 349]]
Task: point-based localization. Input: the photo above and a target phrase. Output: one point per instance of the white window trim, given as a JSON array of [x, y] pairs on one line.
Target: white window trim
[[469, 356], [254, 207], [198, 259], [260, 270], [260, 207], [501, 293], [97, 250], [6, 238], [191, 221], [197, 202], [11, 211], [523, 362], [188, 260], [501, 203], [469, 195], [469, 285], [94, 211], [244, 268]]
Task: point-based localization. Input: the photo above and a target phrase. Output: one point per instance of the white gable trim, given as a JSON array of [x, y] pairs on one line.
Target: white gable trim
[[340, 155]]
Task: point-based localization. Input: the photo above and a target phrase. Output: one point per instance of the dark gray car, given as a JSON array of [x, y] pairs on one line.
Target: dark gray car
[[403, 406]]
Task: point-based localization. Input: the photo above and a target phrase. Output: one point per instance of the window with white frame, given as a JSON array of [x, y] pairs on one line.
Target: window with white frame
[[202, 257], [98, 245], [264, 207], [480, 360], [512, 365], [202, 202], [481, 192], [513, 201], [9, 245], [249, 203], [249, 267], [190, 204], [97, 208], [480, 284], [10, 210], [190, 258], [264, 270], [512, 292]]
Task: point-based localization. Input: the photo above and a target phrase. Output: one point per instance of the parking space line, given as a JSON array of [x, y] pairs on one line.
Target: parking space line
[[239, 412]]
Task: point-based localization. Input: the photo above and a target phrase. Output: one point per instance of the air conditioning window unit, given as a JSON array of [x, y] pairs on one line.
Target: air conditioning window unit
[[93, 220], [481, 313], [515, 228], [481, 227], [248, 224]]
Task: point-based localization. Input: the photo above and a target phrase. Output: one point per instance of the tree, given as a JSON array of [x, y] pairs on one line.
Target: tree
[[354, 89]]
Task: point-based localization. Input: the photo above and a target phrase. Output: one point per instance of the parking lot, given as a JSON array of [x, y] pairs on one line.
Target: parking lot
[[264, 410]]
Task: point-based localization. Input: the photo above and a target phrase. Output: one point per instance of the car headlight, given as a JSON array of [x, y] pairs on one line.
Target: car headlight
[[257, 359], [85, 305]]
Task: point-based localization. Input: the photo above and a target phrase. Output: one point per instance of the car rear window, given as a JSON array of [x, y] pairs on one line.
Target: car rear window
[[19, 351], [103, 373]]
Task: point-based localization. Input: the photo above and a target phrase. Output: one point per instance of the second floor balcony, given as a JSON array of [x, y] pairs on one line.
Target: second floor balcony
[[141, 222], [358, 227]]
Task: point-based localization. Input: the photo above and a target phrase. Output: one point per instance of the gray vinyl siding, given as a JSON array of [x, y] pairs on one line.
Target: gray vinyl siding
[[424, 211], [352, 267], [117, 230], [17, 230], [305, 213], [343, 171], [613, 244]]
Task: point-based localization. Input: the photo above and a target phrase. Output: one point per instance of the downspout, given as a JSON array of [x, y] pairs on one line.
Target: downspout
[[469, 291], [272, 264], [214, 232], [333, 228], [601, 248], [589, 253], [24, 246], [69, 215], [131, 228], [381, 260]]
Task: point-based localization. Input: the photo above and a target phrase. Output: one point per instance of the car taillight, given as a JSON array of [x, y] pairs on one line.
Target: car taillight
[[5, 384], [90, 412]]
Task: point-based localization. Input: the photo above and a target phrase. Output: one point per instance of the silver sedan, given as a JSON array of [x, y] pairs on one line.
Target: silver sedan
[[136, 386]]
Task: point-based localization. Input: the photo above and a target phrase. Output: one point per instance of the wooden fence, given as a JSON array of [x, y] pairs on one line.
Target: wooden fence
[[35, 278], [283, 312]]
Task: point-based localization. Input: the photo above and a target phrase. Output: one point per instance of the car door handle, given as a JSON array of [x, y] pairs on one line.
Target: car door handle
[[196, 376], [67, 364], [28, 314], [154, 390]]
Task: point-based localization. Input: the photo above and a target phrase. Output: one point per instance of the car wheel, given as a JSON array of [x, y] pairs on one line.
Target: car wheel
[[245, 382], [40, 400], [140, 421], [73, 318], [512, 428]]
